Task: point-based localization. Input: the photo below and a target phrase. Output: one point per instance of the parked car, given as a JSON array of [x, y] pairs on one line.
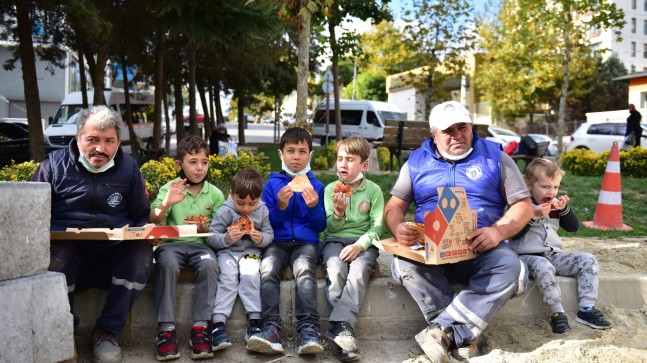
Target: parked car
[[14, 143], [600, 136], [552, 146], [504, 134], [267, 120]]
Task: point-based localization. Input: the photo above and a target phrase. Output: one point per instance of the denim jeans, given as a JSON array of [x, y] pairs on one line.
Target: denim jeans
[[303, 258]]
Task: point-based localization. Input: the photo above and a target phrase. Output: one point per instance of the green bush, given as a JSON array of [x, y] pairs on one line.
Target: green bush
[[221, 170], [383, 155], [324, 157], [18, 172], [584, 162]]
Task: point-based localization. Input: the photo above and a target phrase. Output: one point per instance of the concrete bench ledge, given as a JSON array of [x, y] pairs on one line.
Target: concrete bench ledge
[[386, 302]]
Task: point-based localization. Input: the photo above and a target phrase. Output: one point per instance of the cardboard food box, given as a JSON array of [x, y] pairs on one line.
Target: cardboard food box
[[129, 233], [446, 229]]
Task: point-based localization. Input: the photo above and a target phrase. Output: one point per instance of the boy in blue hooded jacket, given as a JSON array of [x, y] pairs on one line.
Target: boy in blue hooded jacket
[[297, 218]]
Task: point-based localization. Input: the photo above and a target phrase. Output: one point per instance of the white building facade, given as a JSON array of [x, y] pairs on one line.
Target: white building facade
[[632, 50]]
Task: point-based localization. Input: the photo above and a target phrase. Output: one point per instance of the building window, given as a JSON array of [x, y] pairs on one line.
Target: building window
[[633, 25], [633, 4], [633, 49], [644, 50], [633, 68], [645, 5]]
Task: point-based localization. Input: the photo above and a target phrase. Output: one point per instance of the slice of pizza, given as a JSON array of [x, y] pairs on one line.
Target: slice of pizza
[[243, 224], [299, 182], [418, 227], [343, 188], [199, 219]]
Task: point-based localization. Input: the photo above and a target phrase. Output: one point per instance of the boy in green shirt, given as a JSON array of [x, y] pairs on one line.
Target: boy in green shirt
[[353, 222], [189, 195]]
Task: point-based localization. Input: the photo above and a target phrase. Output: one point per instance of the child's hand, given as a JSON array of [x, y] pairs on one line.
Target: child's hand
[[284, 196], [350, 252], [233, 236], [562, 201], [310, 197], [176, 192], [339, 202], [541, 210], [203, 227], [257, 237]]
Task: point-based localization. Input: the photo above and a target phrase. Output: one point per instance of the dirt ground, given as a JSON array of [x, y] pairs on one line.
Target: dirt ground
[[625, 341]]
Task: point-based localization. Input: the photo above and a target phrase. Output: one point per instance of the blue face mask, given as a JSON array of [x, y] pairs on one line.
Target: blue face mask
[[292, 173], [86, 164]]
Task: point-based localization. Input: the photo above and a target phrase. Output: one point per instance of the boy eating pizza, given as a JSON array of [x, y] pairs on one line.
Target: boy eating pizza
[[241, 228], [190, 198], [297, 218]]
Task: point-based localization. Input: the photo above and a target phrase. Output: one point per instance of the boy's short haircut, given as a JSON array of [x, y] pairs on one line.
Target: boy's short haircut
[[247, 182], [355, 145], [539, 165], [191, 145], [295, 135]]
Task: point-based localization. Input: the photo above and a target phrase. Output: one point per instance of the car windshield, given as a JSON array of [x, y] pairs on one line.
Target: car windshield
[[503, 131], [391, 115], [67, 114]]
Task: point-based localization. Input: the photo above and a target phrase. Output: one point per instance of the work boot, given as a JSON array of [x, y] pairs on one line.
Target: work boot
[[435, 342], [105, 346]]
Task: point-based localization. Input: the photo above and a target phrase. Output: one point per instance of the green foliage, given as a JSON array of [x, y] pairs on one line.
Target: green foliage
[[324, 157], [18, 172], [383, 155], [584, 162], [369, 86], [221, 170]]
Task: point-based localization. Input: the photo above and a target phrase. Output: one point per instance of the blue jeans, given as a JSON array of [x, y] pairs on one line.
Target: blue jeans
[[303, 258], [491, 279], [346, 282]]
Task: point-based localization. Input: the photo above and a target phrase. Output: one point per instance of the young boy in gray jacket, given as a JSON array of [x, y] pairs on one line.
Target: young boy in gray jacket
[[239, 254], [539, 246]]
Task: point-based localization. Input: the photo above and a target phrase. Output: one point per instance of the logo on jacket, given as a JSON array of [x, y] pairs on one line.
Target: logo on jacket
[[364, 207], [115, 199], [474, 172]]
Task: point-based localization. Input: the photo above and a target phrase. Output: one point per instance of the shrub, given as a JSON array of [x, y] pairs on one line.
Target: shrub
[[221, 170], [584, 162], [18, 172], [383, 155], [324, 157]]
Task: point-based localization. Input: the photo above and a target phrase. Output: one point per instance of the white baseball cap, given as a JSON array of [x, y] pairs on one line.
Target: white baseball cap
[[448, 113]]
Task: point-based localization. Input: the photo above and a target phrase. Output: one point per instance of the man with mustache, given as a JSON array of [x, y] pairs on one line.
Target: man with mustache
[[95, 184], [454, 156]]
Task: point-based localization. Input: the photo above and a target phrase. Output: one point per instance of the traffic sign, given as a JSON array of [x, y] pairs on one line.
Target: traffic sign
[[327, 87]]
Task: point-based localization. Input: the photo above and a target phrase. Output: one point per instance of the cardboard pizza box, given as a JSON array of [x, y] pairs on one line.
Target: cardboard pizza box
[[446, 229], [129, 233]]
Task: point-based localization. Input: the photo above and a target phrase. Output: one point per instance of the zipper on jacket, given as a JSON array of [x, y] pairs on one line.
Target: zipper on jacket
[[452, 174]]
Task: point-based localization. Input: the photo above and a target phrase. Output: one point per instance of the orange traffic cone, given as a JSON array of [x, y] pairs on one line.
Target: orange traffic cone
[[608, 213]]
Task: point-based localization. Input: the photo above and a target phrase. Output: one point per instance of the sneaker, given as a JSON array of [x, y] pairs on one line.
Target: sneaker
[[470, 349], [435, 342], [267, 341], [105, 346], [559, 323], [593, 318], [341, 334], [310, 343], [200, 343], [252, 330], [219, 339], [167, 345]]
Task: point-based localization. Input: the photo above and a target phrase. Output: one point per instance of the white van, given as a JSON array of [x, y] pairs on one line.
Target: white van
[[358, 117], [62, 127]]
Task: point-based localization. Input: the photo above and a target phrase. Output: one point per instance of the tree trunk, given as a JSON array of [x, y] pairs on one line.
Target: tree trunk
[[206, 124], [193, 126], [335, 80], [159, 89], [167, 119], [564, 91], [242, 102], [83, 78], [179, 104], [212, 101], [30, 80], [216, 91], [134, 139], [303, 61]]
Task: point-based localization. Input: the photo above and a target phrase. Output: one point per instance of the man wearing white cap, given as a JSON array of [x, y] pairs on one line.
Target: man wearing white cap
[[454, 156]]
